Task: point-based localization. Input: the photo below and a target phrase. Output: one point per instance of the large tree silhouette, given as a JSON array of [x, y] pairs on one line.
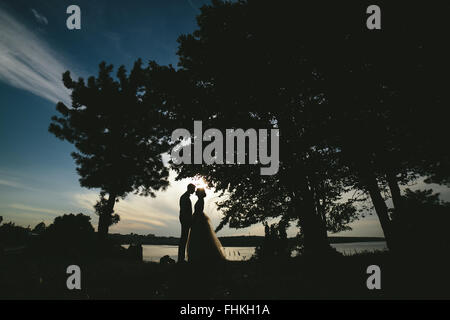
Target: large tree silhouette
[[246, 73], [363, 104], [115, 125], [387, 98]]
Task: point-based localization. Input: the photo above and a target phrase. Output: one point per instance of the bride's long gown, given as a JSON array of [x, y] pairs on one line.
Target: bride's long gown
[[203, 244]]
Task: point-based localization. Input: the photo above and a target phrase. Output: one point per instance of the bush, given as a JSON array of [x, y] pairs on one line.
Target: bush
[[275, 245], [424, 222], [68, 235], [12, 235]]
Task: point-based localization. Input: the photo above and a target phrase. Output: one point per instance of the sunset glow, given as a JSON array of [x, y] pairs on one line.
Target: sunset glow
[[199, 182]]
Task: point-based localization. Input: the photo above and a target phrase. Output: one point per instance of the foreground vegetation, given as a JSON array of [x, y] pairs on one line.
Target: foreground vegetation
[[37, 268], [335, 277]]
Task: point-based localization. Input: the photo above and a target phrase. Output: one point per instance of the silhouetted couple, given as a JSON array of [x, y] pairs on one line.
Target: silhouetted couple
[[196, 231]]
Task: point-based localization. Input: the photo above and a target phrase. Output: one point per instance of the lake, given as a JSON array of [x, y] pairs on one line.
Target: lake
[[155, 252]]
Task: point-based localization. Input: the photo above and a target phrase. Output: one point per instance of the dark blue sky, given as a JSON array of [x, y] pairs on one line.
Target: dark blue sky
[[117, 32], [37, 175]]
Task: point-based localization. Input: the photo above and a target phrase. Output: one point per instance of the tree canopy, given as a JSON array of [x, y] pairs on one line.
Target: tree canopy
[[352, 115], [115, 126]]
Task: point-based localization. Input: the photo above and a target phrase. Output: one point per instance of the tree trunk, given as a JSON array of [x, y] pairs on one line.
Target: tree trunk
[[395, 192], [313, 228], [398, 224], [104, 220], [381, 209], [314, 234]]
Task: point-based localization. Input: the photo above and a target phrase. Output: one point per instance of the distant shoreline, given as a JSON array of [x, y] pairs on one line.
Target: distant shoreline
[[231, 241]]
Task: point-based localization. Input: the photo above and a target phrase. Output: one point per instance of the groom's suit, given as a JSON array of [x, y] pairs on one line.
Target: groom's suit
[[185, 220]]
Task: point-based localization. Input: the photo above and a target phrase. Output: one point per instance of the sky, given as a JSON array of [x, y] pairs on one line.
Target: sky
[[38, 180]]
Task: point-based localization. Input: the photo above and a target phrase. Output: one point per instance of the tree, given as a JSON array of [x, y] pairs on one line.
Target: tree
[[115, 127], [245, 73], [387, 105], [68, 235], [10, 234], [70, 226], [39, 228], [371, 116], [425, 228], [275, 245]]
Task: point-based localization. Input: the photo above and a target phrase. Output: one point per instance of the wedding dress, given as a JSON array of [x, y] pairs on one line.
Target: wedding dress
[[203, 244]]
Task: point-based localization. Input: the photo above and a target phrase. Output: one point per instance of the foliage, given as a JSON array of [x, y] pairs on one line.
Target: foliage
[[68, 235], [425, 227], [352, 115], [10, 234], [39, 228], [275, 246], [115, 126], [363, 119], [279, 86]]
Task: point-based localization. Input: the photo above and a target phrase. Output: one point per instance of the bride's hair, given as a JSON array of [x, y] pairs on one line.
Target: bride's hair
[[200, 192]]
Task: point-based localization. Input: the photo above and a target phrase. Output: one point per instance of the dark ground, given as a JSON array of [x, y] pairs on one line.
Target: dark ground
[[339, 277]]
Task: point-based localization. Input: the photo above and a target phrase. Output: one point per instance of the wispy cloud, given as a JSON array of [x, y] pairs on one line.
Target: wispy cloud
[[146, 211], [12, 184], [12, 180], [191, 4], [24, 207], [85, 201], [157, 215], [27, 62], [39, 17]]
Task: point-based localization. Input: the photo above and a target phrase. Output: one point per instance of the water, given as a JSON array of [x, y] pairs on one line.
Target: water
[[356, 247], [155, 252]]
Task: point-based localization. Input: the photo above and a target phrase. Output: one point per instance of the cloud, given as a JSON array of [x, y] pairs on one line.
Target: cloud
[[85, 200], [10, 180], [11, 184], [148, 213], [158, 215], [39, 17], [26, 61], [191, 4], [24, 207]]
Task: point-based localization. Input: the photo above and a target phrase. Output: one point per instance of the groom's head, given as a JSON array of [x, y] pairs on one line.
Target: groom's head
[[191, 188]]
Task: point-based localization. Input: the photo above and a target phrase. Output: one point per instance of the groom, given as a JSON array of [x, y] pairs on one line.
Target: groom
[[185, 220]]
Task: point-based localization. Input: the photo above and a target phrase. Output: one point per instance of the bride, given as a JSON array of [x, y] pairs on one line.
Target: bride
[[203, 244]]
